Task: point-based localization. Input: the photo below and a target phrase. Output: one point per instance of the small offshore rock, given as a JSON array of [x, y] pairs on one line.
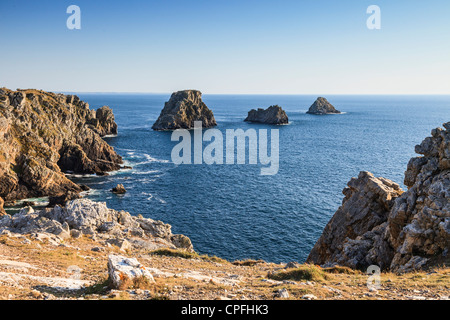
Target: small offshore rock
[[119, 189], [272, 115], [322, 106]]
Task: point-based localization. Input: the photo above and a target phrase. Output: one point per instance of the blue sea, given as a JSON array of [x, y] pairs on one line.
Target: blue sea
[[233, 211]]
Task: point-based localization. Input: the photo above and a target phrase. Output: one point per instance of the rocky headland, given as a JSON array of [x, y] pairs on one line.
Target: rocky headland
[[322, 106], [182, 110], [379, 224], [43, 135], [272, 115]]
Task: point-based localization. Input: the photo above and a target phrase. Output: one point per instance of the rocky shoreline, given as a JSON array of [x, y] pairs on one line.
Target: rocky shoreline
[[46, 134]]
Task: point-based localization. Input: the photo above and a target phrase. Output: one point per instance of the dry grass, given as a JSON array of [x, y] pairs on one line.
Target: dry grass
[[306, 272]]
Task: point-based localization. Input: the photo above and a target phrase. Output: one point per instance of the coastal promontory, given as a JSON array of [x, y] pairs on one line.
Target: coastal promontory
[[379, 224], [322, 106], [272, 115], [43, 135], [182, 110]]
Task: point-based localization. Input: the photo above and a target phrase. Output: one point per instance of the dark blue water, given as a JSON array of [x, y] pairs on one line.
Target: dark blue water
[[234, 212]]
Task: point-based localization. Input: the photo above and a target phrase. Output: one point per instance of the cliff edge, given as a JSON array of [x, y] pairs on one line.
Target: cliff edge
[[379, 224], [44, 134]]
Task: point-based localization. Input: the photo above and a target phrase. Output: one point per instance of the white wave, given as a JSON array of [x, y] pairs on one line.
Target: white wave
[[146, 172]]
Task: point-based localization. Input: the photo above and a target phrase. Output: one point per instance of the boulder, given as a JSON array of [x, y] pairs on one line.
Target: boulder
[[272, 115], [322, 106], [182, 110], [124, 272]]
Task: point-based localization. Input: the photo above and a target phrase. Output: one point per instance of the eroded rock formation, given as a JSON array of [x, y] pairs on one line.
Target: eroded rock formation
[[322, 106], [272, 115], [45, 134], [377, 224], [85, 217], [182, 110]]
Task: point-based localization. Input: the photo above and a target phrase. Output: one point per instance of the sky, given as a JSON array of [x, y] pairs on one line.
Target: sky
[[227, 46]]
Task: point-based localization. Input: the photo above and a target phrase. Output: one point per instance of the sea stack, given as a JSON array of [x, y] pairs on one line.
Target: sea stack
[[182, 110], [272, 115], [322, 106]]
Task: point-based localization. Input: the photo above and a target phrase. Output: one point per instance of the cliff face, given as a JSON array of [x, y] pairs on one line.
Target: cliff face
[[182, 109], [378, 224], [272, 115], [322, 106], [43, 134]]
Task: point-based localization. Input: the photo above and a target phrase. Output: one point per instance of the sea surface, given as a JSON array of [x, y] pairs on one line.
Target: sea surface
[[233, 211]]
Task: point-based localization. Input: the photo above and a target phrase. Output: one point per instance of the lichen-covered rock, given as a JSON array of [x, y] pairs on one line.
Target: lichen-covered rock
[[322, 106], [272, 115], [124, 272], [409, 233], [182, 110], [44, 134]]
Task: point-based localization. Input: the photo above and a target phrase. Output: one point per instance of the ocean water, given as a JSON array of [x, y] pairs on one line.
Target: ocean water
[[234, 212]]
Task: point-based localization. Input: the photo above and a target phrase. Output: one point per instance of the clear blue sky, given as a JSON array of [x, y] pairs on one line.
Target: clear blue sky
[[227, 46]]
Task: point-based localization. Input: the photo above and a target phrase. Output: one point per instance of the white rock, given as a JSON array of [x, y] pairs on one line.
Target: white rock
[[123, 269]]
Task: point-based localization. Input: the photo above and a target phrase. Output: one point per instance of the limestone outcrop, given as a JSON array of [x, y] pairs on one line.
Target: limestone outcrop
[[378, 224], [272, 115], [85, 217], [182, 110], [322, 106], [45, 134]]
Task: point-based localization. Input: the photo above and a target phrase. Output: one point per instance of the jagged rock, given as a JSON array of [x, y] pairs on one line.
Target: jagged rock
[[2, 211], [124, 271], [119, 189], [95, 219], [351, 232], [322, 106], [182, 110], [45, 134], [410, 233], [104, 122], [272, 115]]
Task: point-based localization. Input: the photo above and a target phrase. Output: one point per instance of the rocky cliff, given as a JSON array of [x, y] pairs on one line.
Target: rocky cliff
[[378, 224], [43, 135], [182, 109], [272, 115], [322, 106]]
